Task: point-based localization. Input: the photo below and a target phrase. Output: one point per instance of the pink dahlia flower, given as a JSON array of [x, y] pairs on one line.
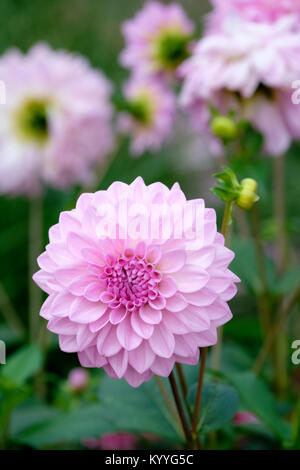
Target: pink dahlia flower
[[249, 68], [78, 379], [137, 294], [150, 116], [260, 11], [242, 418], [56, 120], [157, 39]]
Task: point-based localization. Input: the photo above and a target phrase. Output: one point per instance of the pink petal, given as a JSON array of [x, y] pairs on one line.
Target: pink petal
[[117, 315], [203, 257], [101, 322], [46, 263], [126, 335], [68, 343], [162, 366], [150, 315], [84, 311], [153, 254], [84, 337], [201, 298], [162, 341], [65, 276], [93, 291], [174, 323], [142, 357], [135, 379], [172, 261], [159, 303], [140, 327], [76, 243], [62, 326], [119, 362], [195, 318], [176, 303], [167, 287], [191, 278], [107, 341]]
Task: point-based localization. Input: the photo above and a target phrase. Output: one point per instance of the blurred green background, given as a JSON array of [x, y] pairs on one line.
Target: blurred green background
[[92, 28]]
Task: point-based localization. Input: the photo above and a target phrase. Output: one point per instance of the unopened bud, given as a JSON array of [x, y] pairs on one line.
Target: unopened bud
[[224, 127], [248, 194]]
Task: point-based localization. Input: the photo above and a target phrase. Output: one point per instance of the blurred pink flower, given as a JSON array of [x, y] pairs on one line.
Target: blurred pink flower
[[244, 417], [260, 11], [78, 379], [150, 116], [56, 120], [117, 441], [249, 68], [138, 299], [157, 39]]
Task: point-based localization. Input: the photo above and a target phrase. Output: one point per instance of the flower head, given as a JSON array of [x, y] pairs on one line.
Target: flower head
[[258, 11], [248, 68], [55, 122], [148, 115], [157, 39], [139, 295]]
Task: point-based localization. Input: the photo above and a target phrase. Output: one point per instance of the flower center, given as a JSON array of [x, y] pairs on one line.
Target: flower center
[[171, 48], [129, 281], [141, 108], [32, 120]]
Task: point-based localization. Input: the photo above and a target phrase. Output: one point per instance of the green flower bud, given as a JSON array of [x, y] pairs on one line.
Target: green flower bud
[[247, 194], [224, 127]]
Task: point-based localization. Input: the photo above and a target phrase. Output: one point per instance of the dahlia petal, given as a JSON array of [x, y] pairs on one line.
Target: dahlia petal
[[62, 326], [195, 318], [84, 337], [176, 303], [68, 223], [117, 315], [172, 261], [46, 307], [167, 287], [203, 257], [162, 366], [207, 338], [141, 358], [191, 278], [144, 330], [92, 256], [174, 323], [62, 304], [65, 276], [127, 336], [150, 315], [101, 322], [46, 281], [91, 358], [201, 298], [68, 343], [46, 263], [59, 254], [78, 286], [93, 291], [229, 293], [107, 341], [162, 341], [135, 379], [153, 254], [140, 250], [119, 362], [183, 346], [76, 243], [159, 303], [84, 311]]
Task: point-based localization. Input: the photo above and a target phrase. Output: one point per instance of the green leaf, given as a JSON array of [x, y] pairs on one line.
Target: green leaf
[[257, 398], [139, 409], [22, 365], [219, 404], [84, 423]]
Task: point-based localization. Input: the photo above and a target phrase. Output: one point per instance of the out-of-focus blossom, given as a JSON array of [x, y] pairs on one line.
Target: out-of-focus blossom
[[78, 379], [117, 441], [244, 417], [141, 294], [56, 120], [247, 68], [157, 39], [259, 11], [150, 114]]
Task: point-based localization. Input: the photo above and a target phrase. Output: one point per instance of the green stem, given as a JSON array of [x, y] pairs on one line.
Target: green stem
[[168, 400], [179, 407], [35, 248], [216, 350], [263, 297], [199, 392]]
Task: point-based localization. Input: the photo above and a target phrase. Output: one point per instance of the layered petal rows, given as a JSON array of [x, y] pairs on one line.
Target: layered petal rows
[[134, 305]]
